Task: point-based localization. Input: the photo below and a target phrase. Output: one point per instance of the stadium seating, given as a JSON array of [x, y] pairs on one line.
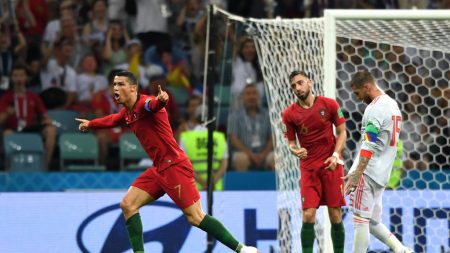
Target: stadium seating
[[180, 94], [24, 152], [130, 149], [222, 95], [64, 120], [81, 150]]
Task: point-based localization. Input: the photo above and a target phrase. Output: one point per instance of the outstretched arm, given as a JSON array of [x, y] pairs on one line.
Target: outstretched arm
[[99, 123]]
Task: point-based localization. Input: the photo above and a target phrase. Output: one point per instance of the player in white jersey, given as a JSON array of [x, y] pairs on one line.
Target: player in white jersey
[[370, 172]]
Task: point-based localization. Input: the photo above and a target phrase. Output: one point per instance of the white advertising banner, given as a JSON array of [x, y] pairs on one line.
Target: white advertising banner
[[73, 222]]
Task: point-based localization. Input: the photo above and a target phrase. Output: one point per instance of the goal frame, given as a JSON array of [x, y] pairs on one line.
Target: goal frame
[[329, 63]]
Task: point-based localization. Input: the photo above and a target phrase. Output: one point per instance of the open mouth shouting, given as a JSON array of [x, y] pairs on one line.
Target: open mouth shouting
[[116, 96]]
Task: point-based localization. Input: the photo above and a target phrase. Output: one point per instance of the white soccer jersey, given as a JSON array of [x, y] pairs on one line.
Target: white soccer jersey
[[380, 131]]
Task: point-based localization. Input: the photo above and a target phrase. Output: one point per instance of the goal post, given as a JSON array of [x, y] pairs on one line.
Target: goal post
[[408, 52]]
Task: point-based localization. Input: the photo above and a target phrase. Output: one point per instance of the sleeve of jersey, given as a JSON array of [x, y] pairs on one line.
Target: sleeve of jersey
[[338, 116], [109, 121], [288, 127], [373, 138], [152, 104]]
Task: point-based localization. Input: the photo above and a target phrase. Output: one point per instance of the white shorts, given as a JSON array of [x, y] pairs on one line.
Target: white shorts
[[366, 200]]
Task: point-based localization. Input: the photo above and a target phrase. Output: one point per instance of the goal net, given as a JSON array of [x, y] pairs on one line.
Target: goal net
[[408, 52]]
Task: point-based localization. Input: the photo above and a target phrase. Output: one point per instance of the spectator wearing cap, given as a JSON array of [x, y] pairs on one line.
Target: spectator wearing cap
[[114, 48], [58, 78], [133, 63]]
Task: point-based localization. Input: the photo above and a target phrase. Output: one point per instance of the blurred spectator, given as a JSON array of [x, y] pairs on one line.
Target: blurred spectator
[[412, 4], [252, 8], [24, 111], [159, 79], [246, 69], [89, 81], [58, 78], [32, 17], [103, 104], [114, 49], [187, 19], [397, 169], [195, 143], [290, 8], [116, 10], [134, 62], [69, 32], [173, 63], [11, 48], [154, 30], [94, 31], [250, 134], [53, 28], [191, 120]]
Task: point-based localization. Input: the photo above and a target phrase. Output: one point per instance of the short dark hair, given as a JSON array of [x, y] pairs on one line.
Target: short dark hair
[[297, 72], [19, 67], [113, 74], [361, 78], [130, 76]]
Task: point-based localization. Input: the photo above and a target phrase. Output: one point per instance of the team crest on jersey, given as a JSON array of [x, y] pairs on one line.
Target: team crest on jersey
[[134, 116], [322, 113]]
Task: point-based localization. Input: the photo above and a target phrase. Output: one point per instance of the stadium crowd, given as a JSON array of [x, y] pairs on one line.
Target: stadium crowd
[[62, 55]]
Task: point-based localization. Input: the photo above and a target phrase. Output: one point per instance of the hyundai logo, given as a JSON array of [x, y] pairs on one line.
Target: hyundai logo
[[170, 233]]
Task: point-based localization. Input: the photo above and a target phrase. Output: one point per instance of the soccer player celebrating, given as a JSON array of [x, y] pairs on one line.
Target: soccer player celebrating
[[171, 173], [310, 119], [371, 169]]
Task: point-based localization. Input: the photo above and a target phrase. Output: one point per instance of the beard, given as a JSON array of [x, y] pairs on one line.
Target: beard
[[304, 96], [367, 100]]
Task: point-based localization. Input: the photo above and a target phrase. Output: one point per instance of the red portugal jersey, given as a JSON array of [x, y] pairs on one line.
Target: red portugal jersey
[[27, 107], [149, 121], [314, 129]]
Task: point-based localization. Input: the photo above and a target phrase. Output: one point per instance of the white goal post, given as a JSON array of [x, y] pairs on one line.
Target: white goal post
[[408, 52]]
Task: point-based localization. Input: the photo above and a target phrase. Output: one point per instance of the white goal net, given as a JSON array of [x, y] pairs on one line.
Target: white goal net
[[408, 52]]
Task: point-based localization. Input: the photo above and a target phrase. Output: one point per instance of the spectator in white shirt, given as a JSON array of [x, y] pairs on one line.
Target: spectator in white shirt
[[58, 78]]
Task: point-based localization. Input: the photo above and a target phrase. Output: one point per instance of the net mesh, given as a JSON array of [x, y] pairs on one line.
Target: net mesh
[[410, 60]]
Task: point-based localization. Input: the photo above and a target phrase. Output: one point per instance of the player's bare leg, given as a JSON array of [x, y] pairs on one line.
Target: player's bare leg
[[307, 233], [196, 217], [134, 199], [337, 229]]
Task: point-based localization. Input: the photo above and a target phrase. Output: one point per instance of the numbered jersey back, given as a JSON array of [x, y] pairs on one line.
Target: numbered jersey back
[[381, 126]]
